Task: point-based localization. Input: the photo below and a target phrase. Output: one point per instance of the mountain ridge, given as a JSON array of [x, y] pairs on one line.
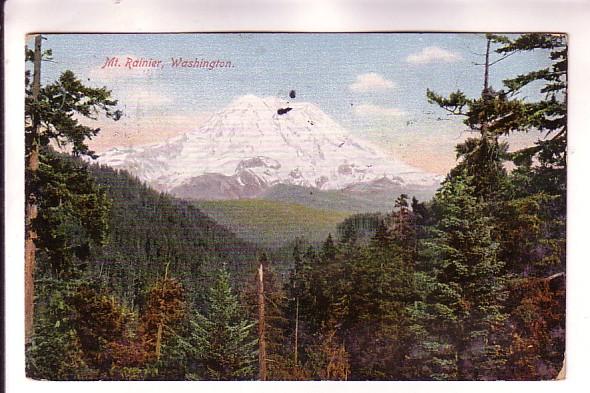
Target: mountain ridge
[[255, 143]]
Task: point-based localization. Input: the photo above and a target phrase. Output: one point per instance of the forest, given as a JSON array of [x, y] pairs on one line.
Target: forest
[[128, 283]]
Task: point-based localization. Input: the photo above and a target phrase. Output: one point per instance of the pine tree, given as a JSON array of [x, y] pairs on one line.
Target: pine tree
[[526, 208], [375, 326], [221, 342], [72, 214], [328, 249], [540, 179], [467, 294], [53, 114], [481, 157], [547, 115], [382, 236], [55, 352]]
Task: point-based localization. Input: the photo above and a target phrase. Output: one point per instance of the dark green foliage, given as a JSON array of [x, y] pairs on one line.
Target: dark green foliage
[[150, 230], [55, 352], [76, 327], [538, 193], [70, 207], [329, 249], [59, 109], [525, 210], [68, 215], [376, 323], [467, 294], [221, 340], [358, 227], [351, 306], [73, 213]]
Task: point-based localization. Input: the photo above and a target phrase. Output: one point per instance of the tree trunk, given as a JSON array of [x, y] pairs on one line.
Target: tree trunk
[[296, 350], [32, 164], [159, 341], [261, 325], [486, 73], [159, 332]]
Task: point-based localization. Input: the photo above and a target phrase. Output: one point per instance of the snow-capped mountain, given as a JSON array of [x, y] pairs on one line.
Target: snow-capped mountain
[[255, 143]]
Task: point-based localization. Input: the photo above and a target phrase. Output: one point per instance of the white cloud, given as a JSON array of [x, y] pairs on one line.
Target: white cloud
[[371, 82], [433, 54], [370, 110]]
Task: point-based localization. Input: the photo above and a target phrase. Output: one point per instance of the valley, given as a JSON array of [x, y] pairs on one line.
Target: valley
[[272, 223]]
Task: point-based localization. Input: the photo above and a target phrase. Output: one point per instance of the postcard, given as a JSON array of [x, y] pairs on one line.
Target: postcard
[[295, 206]]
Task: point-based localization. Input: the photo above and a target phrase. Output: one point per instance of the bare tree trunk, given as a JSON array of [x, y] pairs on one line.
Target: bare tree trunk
[[486, 84], [160, 325], [486, 74], [261, 325], [158, 341], [32, 164], [296, 349]]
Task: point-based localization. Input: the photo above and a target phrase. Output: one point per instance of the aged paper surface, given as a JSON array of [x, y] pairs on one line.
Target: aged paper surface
[[379, 183]]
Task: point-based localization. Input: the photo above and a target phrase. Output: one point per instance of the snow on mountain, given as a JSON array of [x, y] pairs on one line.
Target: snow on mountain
[[255, 143]]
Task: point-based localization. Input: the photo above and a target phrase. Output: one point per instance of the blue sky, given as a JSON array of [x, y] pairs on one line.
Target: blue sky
[[373, 84]]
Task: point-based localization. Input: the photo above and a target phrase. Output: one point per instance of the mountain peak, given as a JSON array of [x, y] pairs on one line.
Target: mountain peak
[[258, 142], [248, 99]]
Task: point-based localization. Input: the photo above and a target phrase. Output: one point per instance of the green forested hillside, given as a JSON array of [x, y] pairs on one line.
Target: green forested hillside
[[150, 230]]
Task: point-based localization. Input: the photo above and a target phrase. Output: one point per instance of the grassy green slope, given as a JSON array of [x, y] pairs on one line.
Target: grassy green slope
[[272, 223]]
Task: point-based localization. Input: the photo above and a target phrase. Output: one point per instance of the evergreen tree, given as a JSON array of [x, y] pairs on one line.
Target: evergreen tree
[[382, 236], [72, 216], [328, 249], [221, 341], [467, 295], [55, 352], [539, 182], [349, 234], [547, 115], [481, 157], [375, 326], [54, 114]]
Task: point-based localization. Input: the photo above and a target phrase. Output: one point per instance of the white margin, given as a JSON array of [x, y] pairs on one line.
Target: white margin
[[569, 16]]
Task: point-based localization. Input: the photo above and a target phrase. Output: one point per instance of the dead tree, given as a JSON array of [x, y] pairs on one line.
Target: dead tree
[[261, 325], [32, 165]]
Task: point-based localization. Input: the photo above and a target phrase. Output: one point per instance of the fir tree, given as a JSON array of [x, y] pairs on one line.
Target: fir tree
[[481, 157], [221, 341], [54, 113], [328, 249], [467, 295]]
